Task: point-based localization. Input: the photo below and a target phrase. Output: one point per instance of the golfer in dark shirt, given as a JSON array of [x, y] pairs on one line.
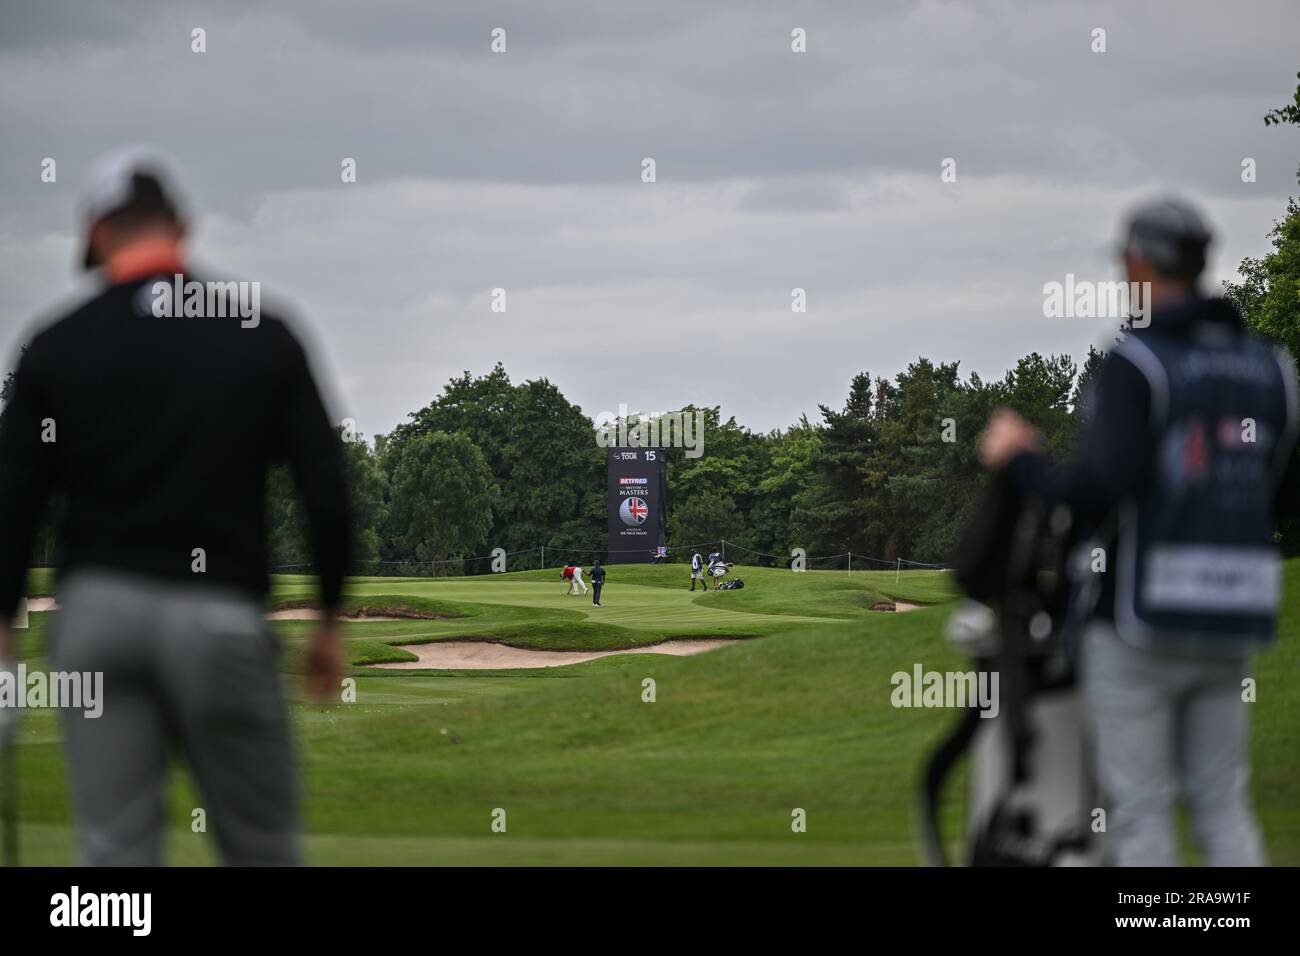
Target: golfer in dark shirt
[[158, 421], [597, 581]]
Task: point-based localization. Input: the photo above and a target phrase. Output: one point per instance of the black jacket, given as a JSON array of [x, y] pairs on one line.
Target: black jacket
[[165, 429]]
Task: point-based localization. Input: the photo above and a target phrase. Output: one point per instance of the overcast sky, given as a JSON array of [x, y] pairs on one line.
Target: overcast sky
[[775, 170]]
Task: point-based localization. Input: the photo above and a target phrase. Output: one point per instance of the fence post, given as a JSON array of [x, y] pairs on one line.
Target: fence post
[[543, 557], [898, 573], [724, 549]]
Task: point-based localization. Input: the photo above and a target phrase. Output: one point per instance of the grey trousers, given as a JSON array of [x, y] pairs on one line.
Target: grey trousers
[[187, 670], [1162, 727]]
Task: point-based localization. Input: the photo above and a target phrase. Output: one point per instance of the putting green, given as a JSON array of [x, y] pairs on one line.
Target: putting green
[[631, 605]]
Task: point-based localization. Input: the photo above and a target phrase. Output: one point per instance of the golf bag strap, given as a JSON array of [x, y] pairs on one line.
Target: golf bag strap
[[937, 769]]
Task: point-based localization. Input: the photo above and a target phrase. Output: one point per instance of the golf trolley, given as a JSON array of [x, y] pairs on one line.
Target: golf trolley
[[717, 570]]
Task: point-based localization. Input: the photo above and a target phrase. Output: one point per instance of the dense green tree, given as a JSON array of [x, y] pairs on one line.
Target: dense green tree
[[1087, 375], [790, 455], [547, 474], [480, 407], [1041, 389], [829, 514], [705, 518], [1286, 114], [7, 388], [442, 496], [287, 522], [1269, 289], [895, 472], [733, 461], [367, 486], [555, 474]]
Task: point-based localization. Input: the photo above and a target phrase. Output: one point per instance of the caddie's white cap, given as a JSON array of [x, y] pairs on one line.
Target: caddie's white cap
[[122, 176]]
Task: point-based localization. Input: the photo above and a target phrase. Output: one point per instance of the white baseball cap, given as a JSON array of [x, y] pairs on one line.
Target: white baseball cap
[[122, 176]]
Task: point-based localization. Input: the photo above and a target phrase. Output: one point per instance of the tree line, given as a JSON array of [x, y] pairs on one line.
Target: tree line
[[490, 463], [890, 473]]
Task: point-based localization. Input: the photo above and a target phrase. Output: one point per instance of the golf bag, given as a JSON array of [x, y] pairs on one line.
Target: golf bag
[[1031, 791], [735, 584], [718, 569]]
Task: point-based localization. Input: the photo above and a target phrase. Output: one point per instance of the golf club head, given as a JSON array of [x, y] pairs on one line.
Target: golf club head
[[973, 629]]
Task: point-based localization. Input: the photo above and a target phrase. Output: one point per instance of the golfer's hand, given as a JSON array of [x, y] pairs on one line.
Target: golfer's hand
[[1006, 436], [325, 662]]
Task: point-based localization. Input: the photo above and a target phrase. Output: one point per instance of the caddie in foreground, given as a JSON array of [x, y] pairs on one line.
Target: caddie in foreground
[[159, 432], [1185, 461]]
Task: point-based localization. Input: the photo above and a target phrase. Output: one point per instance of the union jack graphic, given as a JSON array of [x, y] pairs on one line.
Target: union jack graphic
[[633, 511]]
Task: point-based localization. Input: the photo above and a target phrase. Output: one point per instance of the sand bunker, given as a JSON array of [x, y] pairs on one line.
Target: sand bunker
[[311, 614], [481, 655], [896, 606]]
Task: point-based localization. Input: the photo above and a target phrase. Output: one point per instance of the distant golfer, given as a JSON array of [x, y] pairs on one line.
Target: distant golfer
[[697, 571], [566, 575], [577, 579], [597, 581], [1179, 473], [159, 432]]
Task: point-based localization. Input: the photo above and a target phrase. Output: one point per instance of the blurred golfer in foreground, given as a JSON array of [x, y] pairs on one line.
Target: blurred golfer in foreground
[[157, 421], [1180, 471]]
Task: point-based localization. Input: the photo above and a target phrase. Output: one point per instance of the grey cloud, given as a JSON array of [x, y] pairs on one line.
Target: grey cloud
[[775, 171]]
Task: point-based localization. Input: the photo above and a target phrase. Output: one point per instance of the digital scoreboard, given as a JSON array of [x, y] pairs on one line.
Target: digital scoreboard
[[637, 498]]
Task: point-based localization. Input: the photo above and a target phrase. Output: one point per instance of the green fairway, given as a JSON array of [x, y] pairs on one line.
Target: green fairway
[[586, 772]]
